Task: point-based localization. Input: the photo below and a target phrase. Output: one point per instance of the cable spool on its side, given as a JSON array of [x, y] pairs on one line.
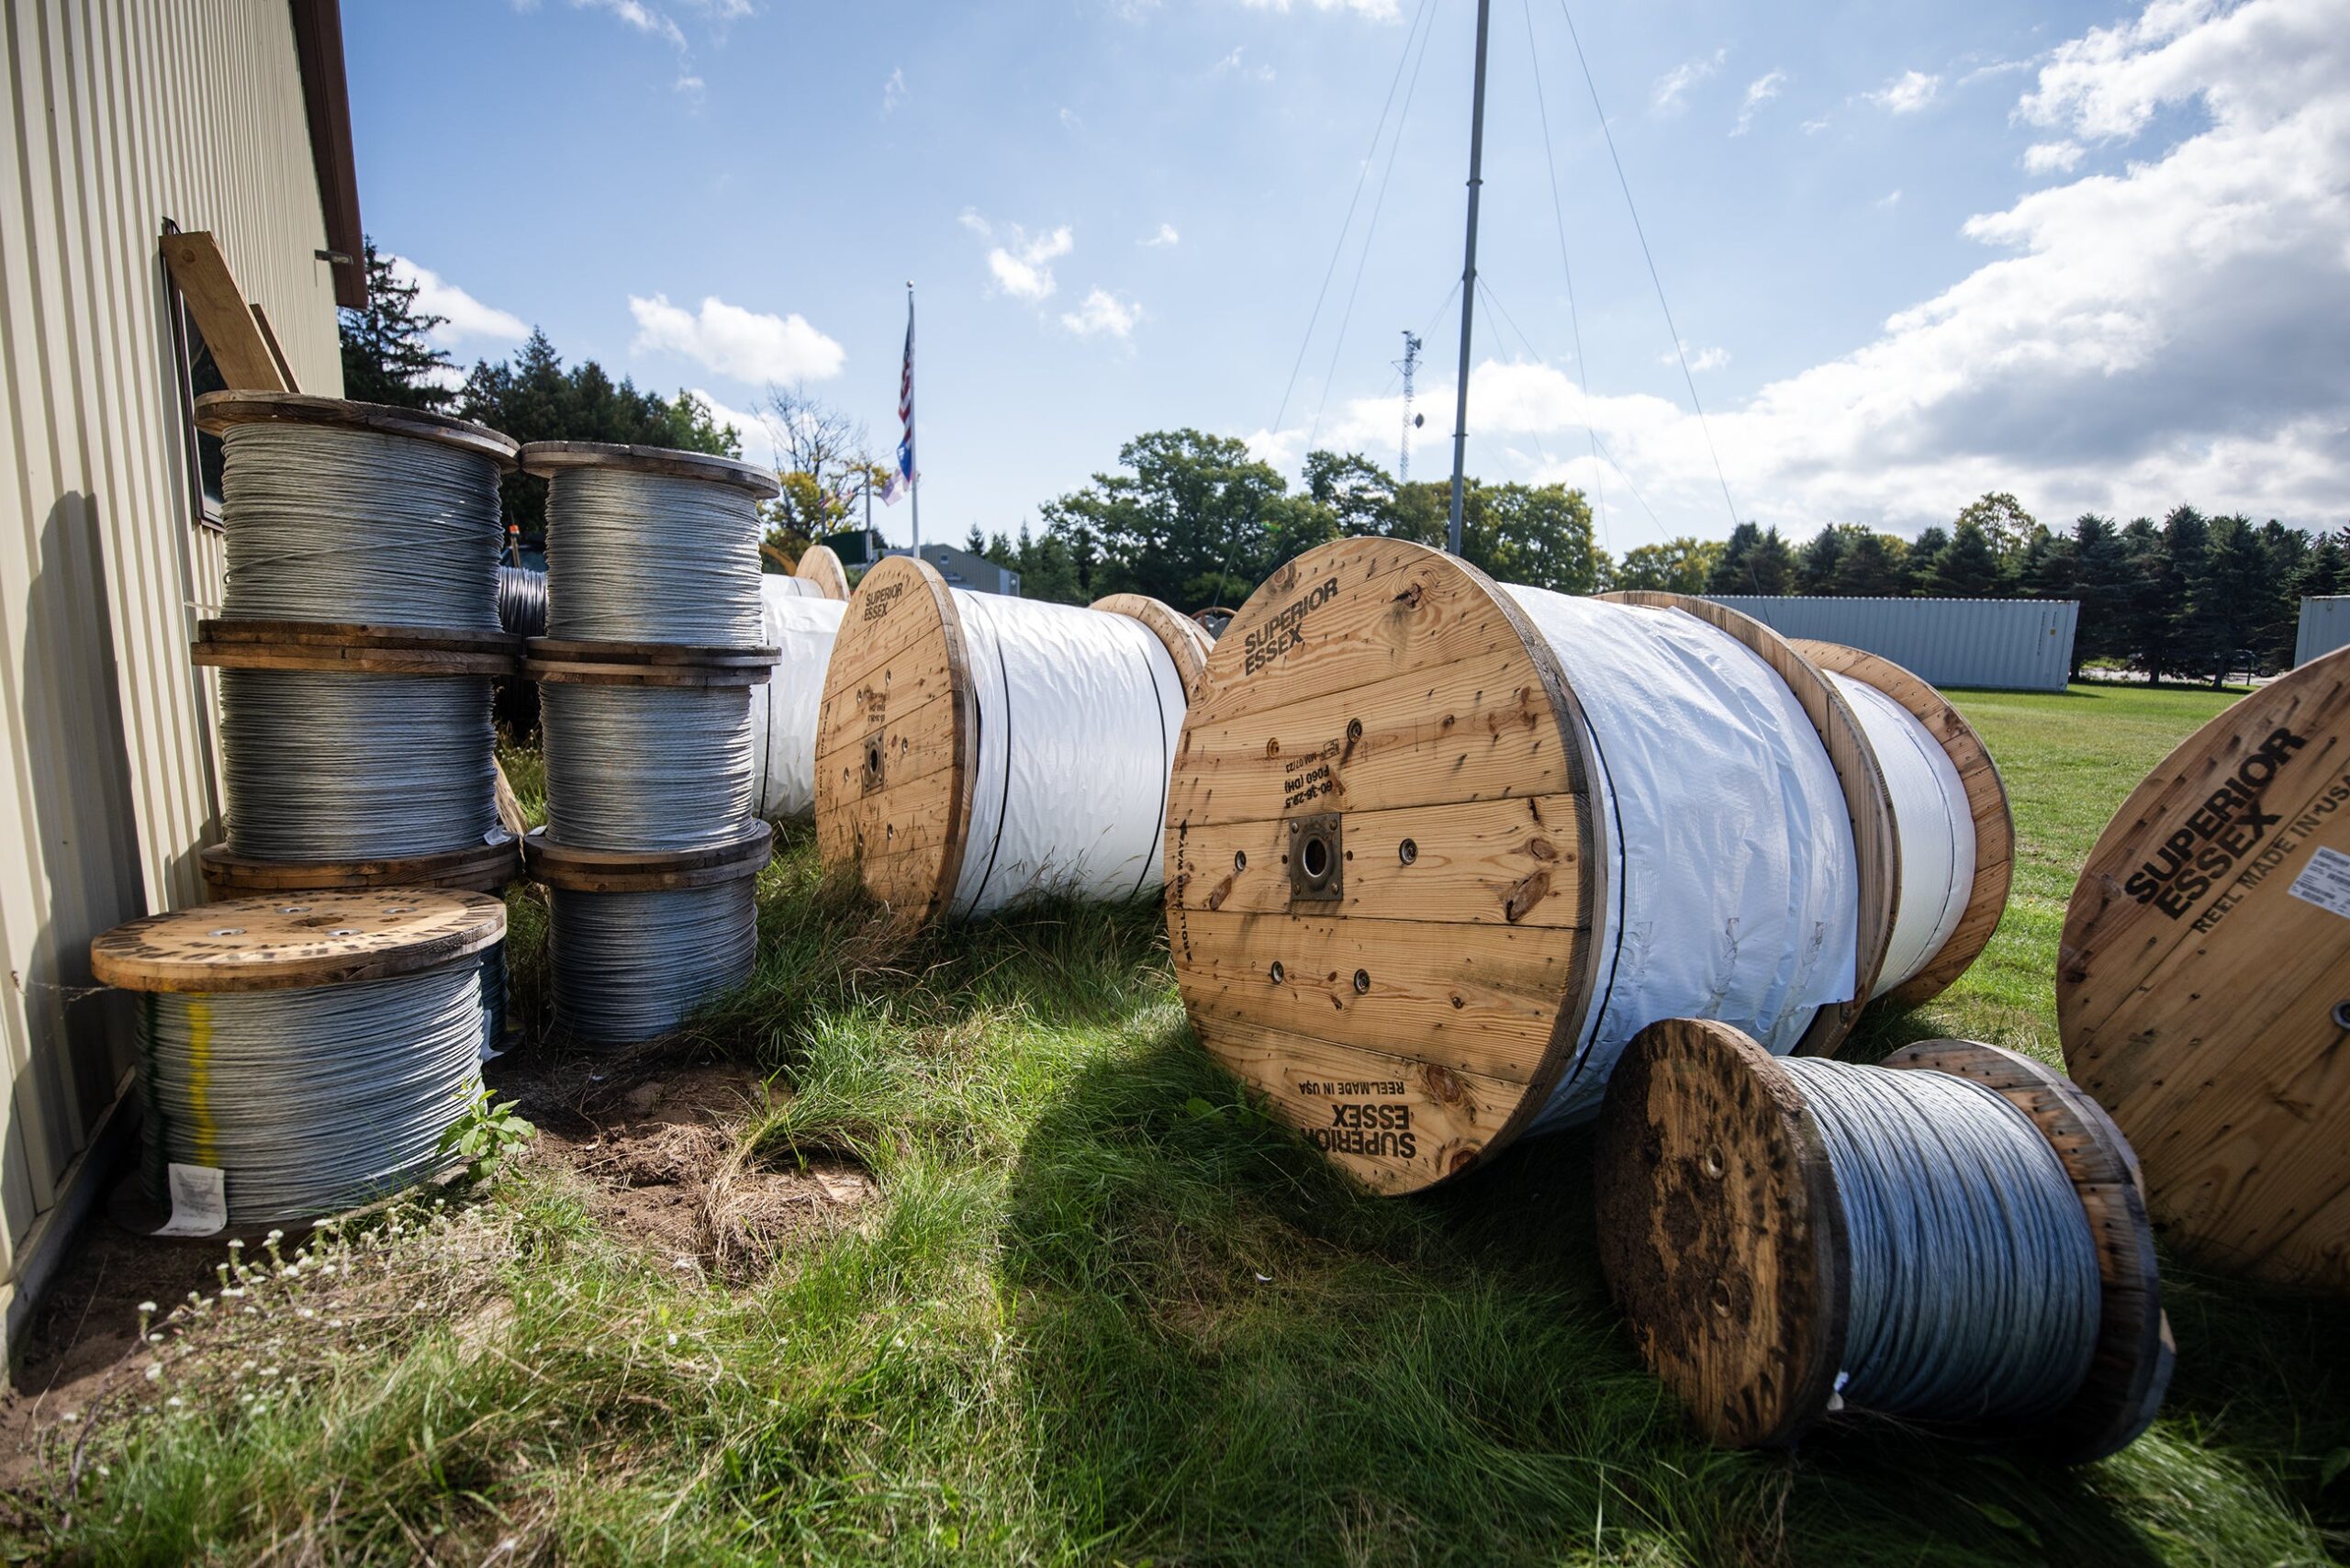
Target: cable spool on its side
[[784, 711], [1437, 847], [820, 569], [309, 1050], [2203, 982], [1741, 1236], [975, 751]]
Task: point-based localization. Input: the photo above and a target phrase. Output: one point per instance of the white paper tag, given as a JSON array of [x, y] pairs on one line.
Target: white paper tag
[[2325, 881], [200, 1201]]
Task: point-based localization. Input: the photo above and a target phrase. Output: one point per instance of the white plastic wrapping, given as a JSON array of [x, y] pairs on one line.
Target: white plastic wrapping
[[1931, 822], [798, 619], [1732, 889], [1078, 716]]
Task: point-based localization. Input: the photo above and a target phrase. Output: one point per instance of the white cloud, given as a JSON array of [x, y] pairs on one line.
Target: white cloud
[[1165, 236], [1103, 312], [643, 17], [1759, 91], [1890, 199], [745, 344], [725, 10], [1071, 121], [1673, 87], [893, 90], [467, 317], [2052, 157], [1907, 94], [2172, 333], [1377, 10], [1814, 127], [689, 83], [1699, 359], [1230, 65], [751, 429], [1023, 267]]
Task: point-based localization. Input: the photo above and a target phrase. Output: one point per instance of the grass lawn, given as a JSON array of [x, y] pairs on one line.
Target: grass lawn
[[1095, 1308]]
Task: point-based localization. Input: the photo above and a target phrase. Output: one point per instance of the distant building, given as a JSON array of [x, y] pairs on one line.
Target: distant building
[[2325, 626], [964, 570]]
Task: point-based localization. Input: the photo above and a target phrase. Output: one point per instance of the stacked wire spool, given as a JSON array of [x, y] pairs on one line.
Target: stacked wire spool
[[1957, 1237], [2203, 982], [304, 1052], [799, 615], [357, 643], [654, 642], [974, 752], [1437, 848]]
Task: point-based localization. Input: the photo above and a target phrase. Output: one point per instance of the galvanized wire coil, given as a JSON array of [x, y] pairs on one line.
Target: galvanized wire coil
[[325, 766], [493, 999], [652, 768], [628, 966], [636, 557], [349, 525], [310, 1100], [1974, 1288], [522, 601]]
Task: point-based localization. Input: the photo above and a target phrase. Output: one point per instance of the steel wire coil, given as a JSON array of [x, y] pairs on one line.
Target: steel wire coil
[[636, 557], [1974, 1288], [628, 966], [347, 526], [652, 768], [314, 1100], [327, 765], [522, 601]]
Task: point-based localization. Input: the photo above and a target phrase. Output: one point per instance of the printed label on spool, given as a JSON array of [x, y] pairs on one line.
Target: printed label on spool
[[2325, 881], [200, 1201], [1376, 1131], [879, 600]]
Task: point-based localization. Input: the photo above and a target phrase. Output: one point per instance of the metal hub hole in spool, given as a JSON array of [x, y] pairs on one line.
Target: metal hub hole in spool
[[1362, 982], [1240, 860], [1407, 851], [1277, 972], [2342, 1014], [873, 755], [1317, 858]]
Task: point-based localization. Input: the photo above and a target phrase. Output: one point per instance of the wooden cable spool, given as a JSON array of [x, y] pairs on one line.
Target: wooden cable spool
[[483, 869], [351, 648], [560, 661], [820, 566], [1723, 1238], [1186, 640], [218, 411], [570, 869], [2203, 982], [898, 738], [1383, 858], [325, 938], [1986, 799]]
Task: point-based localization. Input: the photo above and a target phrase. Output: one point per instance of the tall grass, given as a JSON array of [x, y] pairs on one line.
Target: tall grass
[[1102, 1309]]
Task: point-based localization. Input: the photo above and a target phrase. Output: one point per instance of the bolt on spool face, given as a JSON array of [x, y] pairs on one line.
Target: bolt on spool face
[[1378, 803]]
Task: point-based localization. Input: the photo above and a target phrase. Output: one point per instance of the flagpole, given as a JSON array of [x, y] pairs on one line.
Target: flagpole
[[914, 479], [1468, 287]]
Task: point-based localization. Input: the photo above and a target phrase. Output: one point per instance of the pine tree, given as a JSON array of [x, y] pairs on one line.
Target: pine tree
[[2178, 565], [1918, 565], [1968, 568], [1871, 566], [2101, 581], [1755, 561], [2232, 602], [2325, 570], [1816, 567], [387, 354]]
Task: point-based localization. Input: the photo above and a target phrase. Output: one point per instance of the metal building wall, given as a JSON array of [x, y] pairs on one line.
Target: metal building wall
[[2325, 626], [2015, 645], [121, 114]]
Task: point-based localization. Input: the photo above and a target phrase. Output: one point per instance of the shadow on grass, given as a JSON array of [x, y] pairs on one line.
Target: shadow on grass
[[1236, 1357]]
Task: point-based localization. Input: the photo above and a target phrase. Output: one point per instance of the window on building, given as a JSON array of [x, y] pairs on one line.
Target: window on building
[[196, 374]]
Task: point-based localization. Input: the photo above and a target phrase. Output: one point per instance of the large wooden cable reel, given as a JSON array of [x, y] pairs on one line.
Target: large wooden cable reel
[[1382, 856], [2203, 982], [897, 739]]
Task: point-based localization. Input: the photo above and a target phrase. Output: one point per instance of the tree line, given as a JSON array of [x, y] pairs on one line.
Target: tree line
[[1194, 520]]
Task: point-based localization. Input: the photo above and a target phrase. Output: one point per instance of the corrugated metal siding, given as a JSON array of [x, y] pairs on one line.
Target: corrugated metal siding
[[2015, 645], [2325, 626], [121, 114]]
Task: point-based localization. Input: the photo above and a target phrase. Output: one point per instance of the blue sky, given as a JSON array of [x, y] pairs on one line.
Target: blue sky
[[2095, 254]]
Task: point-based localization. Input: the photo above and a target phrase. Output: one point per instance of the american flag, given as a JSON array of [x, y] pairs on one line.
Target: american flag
[[904, 475]]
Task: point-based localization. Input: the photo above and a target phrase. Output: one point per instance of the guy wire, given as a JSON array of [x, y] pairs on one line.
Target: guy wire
[[314, 1100], [652, 768], [343, 525], [1974, 1287], [327, 765], [650, 558]]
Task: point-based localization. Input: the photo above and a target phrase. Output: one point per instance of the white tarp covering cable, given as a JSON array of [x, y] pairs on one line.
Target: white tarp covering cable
[[797, 617], [1931, 821], [1732, 883], [1078, 716]]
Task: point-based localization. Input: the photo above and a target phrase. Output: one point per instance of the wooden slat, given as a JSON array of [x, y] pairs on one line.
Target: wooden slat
[[1509, 862], [222, 314]]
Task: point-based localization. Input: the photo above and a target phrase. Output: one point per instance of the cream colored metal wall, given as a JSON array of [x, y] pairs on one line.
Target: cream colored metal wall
[[121, 114]]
